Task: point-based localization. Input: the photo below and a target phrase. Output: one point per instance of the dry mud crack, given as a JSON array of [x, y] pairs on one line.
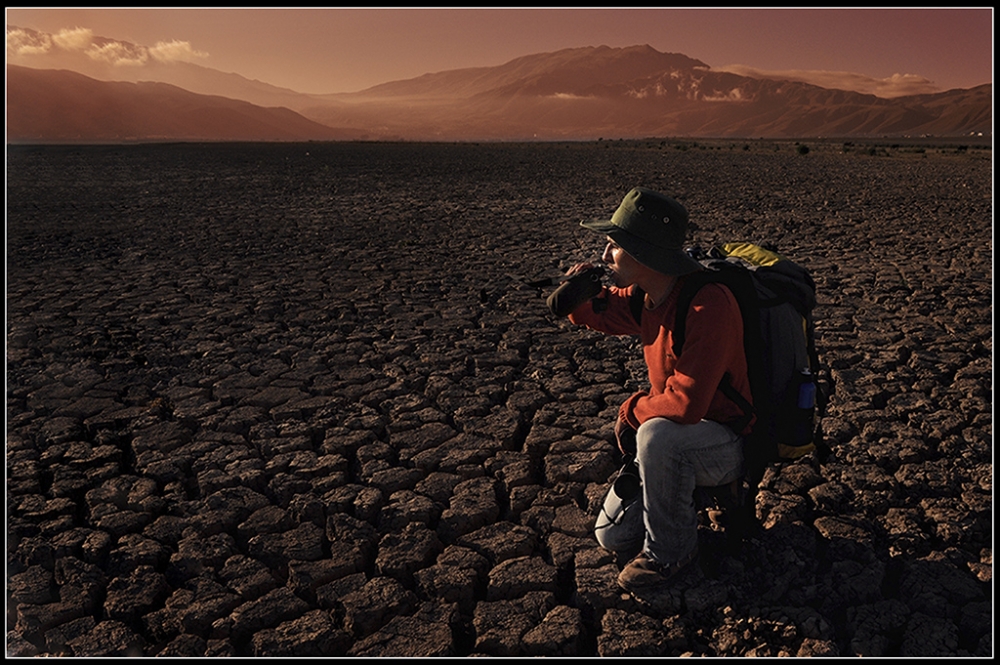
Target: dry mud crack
[[289, 399]]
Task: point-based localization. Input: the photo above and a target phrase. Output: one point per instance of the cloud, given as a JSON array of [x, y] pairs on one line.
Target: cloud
[[734, 95], [24, 42], [73, 39], [119, 53], [21, 42], [896, 85], [569, 95], [175, 51]]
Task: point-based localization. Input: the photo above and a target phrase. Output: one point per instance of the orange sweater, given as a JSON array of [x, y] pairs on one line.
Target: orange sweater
[[682, 388]]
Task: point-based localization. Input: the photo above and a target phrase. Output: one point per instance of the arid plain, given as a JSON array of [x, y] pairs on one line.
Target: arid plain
[[297, 399]]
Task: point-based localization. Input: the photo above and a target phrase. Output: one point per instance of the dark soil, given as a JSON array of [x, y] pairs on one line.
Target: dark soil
[[297, 399]]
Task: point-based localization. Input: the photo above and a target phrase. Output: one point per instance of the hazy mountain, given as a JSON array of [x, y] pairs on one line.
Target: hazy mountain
[[640, 92], [577, 71], [581, 93], [49, 105]]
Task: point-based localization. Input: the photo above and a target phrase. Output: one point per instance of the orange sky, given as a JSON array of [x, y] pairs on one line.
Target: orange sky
[[881, 51]]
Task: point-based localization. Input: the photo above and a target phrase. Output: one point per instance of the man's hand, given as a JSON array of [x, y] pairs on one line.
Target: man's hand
[[626, 437], [583, 283], [579, 268]]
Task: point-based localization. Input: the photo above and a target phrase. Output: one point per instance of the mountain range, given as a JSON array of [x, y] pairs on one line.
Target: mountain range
[[573, 94]]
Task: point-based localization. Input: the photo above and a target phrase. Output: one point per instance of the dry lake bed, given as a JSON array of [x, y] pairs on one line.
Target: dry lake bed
[[298, 400]]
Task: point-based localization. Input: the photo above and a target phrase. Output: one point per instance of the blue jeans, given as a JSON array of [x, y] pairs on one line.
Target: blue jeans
[[673, 459]]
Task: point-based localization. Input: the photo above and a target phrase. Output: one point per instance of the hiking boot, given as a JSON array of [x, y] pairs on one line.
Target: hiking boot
[[643, 572]]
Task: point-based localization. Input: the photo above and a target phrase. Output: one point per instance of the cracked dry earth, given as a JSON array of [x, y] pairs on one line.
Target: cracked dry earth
[[296, 399]]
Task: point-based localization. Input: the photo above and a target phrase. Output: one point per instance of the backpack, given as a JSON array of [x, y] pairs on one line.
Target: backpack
[[789, 386]]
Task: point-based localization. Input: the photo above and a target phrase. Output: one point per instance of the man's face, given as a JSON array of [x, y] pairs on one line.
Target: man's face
[[624, 269]]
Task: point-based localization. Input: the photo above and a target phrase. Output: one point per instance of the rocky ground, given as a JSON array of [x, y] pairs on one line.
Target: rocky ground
[[298, 400]]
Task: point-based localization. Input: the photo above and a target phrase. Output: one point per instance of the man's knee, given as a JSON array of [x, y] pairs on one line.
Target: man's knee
[[664, 435], [656, 426], [657, 436]]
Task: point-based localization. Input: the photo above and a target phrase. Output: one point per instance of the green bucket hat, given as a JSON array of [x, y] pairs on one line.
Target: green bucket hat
[[651, 227]]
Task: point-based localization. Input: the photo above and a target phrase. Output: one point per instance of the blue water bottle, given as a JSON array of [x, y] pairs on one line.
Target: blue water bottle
[[806, 403], [807, 390]]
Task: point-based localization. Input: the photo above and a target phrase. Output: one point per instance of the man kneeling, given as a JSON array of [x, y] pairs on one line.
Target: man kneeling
[[680, 432]]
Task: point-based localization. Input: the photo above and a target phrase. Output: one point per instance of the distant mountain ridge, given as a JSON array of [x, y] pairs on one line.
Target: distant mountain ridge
[[62, 106], [567, 71], [572, 94]]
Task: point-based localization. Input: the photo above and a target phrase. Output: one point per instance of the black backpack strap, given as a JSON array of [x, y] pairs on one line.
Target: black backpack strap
[[740, 284], [726, 386], [692, 284]]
